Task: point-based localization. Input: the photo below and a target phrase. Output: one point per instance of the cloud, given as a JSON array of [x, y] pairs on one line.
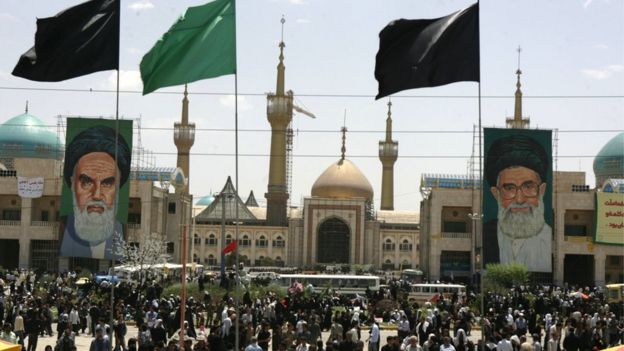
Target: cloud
[[604, 72], [128, 80], [228, 101], [5, 16], [303, 20], [587, 3], [601, 46], [298, 2], [616, 68], [141, 5]]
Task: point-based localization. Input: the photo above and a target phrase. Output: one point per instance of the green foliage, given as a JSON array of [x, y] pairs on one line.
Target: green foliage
[[217, 292], [230, 260], [84, 273], [504, 276], [345, 268]]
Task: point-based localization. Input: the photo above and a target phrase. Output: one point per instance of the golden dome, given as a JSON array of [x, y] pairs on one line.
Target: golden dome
[[343, 180]]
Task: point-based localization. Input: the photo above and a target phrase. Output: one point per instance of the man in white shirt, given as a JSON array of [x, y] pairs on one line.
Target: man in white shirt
[[373, 340], [504, 344]]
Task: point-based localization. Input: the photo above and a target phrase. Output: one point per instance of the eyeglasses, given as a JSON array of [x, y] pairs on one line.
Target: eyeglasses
[[528, 189]]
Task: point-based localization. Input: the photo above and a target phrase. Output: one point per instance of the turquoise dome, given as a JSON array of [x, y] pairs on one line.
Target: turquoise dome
[[205, 200], [609, 163], [27, 136]]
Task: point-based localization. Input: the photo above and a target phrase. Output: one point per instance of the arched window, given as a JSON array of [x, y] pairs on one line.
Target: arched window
[[405, 245], [244, 241], [211, 260], [279, 262], [388, 245], [196, 239], [279, 242], [262, 241], [228, 239], [211, 240]]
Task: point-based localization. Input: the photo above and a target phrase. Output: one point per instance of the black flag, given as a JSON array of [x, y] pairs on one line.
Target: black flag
[[79, 40], [428, 52]]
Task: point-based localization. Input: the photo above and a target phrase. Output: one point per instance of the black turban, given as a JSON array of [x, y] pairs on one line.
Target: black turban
[[516, 150], [97, 139]]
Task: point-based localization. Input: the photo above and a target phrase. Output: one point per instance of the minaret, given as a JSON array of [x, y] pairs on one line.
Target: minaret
[[517, 121], [184, 138], [388, 154], [279, 114]]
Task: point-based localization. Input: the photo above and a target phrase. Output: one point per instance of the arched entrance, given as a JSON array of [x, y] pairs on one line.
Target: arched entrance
[[333, 242]]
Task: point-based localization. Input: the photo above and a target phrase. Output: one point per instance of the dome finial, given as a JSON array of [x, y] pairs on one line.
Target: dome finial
[[280, 66], [344, 136], [518, 102], [26, 109]]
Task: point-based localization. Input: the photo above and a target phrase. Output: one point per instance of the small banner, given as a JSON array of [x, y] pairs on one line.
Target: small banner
[[30, 187], [609, 218]]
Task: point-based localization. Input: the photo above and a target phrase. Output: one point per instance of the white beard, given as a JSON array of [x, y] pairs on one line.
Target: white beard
[[521, 225], [94, 227]]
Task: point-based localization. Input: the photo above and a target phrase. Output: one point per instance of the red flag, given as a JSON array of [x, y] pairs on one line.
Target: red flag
[[229, 247]]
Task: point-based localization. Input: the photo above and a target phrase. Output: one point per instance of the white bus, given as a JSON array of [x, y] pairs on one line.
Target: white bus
[[412, 276], [346, 284], [421, 293]]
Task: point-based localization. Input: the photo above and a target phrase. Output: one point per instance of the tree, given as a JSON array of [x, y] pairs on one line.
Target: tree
[[505, 276], [143, 255]]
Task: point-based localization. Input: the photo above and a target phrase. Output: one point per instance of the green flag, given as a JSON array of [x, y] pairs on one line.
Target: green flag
[[201, 44]]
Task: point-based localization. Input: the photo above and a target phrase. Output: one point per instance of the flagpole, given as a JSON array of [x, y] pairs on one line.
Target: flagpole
[[112, 302], [238, 277], [480, 212]]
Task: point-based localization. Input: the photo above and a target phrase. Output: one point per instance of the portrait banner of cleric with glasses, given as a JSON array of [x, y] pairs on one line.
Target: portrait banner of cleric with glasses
[[517, 198], [94, 201]]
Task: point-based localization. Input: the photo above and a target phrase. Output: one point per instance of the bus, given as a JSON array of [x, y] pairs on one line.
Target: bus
[[412, 276], [345, 284], [614, 293], [421, 293]]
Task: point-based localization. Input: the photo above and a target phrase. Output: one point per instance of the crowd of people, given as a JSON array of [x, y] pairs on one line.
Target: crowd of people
[[536, 318]]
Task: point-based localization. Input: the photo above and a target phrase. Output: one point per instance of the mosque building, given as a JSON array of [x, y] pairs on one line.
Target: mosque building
[[337, 224]]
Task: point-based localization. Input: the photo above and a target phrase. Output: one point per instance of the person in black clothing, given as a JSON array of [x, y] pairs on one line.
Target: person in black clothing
[[264, 337], [32, 325], [94, 312], [159, 333]]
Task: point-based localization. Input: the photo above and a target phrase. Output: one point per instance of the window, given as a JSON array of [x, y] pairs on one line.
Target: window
[[170, 248], [279, 242], [211, 260], [12, 215], [172, 208], [454, 227], [262, 241], [575, 230], [228, 239], [244, 241], [388, 245], [211, 240], [45, 216], [279, 262], [196, 239], [405, 246], [134, 218]]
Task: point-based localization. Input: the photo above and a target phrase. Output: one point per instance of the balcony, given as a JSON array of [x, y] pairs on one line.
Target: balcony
[[134, 225], [43, 224], [577, 239], [452, 235], [10, 223]]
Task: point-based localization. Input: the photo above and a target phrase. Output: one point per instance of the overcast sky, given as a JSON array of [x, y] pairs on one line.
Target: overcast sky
[[573, 80]]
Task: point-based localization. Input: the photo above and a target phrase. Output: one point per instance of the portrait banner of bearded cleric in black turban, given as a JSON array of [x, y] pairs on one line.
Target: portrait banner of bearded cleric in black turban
[[517, 200], [95, 186]]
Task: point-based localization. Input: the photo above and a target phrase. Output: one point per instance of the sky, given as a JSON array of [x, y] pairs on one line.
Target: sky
[[572, 61]]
